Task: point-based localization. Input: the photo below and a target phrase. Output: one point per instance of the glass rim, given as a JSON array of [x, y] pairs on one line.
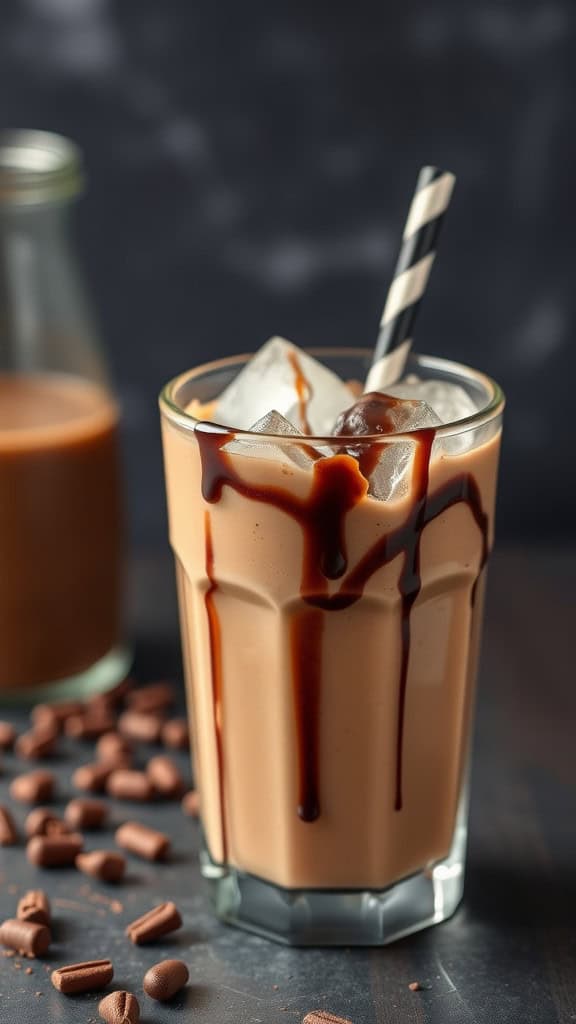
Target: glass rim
[[495, 406], [38, 167]]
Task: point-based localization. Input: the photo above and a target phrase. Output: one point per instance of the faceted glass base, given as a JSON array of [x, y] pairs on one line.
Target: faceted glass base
[[320, 917], [102, 676]]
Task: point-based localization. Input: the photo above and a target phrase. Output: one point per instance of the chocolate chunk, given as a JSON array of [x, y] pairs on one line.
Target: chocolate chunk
[[160, 921], [153, 698], [119, 1008], [164, 980], [175, 734], [112, 747], [34, 906], [143, 841], [33, 787], [25, 937], [191, 803], [85, 813], [89, 976], [106, 865], [54, 851], [8, 833], [92, 778], [7, 736], [141, 727], [165, 776], [42, 822], [89, 725], [127, 784], [37, 743]]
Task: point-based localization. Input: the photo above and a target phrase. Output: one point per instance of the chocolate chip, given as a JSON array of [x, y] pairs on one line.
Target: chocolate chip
[[33, 787], [26, 937], [106, 865], [175, 734], [164, 980], [141, 727], [8, 833], [165, 776], [92, 778], [143, 841], [34, 906], [54, 851], [127, 784], [85, 813], [160, 921], [89, 976], [119, 1008]]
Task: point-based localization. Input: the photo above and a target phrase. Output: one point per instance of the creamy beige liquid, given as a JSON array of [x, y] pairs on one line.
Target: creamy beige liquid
[[238, 609], [60, 528]]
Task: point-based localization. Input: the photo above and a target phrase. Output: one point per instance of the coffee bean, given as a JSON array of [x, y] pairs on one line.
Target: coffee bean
[[165, 776], [112, 747], [92, 778], [156, 697], [175, 734], [42, 822], [142, 728], [85, 813], [89, 726], [55, 714], [119, 1008], [106, 865], [54, 851], [88, 976], [160, 921], [34, 906], [164, 980], [126, 784], [7, 736], [8, 833], [33, 787], [25, 937], [143, 841], [191, 803], [37, 743]]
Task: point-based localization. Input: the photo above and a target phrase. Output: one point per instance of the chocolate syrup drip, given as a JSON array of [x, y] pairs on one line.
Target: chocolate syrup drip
[[370, 414], [303, 390], [216, 665], [337, 486]]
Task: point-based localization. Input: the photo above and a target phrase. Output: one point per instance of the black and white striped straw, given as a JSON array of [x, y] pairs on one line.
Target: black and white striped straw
[[431, 200]]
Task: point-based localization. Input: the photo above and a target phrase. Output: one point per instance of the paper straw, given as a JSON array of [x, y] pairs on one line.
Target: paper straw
[[419, 241]]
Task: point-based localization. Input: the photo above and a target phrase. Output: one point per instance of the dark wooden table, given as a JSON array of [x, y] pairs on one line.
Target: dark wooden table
[[507, 957]]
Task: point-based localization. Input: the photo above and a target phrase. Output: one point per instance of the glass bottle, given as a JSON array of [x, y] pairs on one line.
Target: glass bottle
[[60, 488]]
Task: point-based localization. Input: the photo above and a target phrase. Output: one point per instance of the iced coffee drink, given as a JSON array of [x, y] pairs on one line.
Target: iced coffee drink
[[331, 549]]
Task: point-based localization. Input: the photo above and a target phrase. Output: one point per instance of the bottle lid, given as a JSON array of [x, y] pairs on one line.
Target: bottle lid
[[38, 167]]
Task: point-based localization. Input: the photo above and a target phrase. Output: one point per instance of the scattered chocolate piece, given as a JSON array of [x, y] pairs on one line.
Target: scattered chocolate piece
[[119, 1008], [175, 734], [143, 841], [415, 986], [8, 833], [164, 980], [25, 936], [43, 822], [106, 865], [85, 813], [54, 851], [37, 743], [152, 698], [165, 776], [7, 736], [92, 778], [143, 728], [89, 976], [28, 971], [127, 784], [323, 1017], [33, 787], [55, 714], [191, 803], [112, 747], [160, 921], [34, 906], [89, 725]]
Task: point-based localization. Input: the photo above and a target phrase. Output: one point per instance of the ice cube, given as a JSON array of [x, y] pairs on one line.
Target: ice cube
[[274, 423], [283, 377], [449, 401]]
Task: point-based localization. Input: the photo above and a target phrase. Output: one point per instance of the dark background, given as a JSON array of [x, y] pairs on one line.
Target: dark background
[[250, 168]]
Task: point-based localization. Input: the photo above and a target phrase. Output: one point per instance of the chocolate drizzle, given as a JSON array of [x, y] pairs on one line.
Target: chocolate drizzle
[[216, 665], [337, 487], [303, 390]]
